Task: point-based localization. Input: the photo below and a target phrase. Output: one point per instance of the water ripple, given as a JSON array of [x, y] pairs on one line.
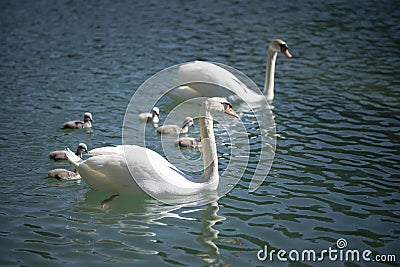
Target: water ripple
[[336, 167]]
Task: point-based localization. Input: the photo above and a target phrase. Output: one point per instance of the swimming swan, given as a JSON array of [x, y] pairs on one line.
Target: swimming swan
[[153, 117], [58, 155], [86, 123], [175, 129], [197, 78], [187, 142], [63, 174], [152, 172]]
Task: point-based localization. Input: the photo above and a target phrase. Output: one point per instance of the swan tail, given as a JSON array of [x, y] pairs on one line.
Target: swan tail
[[72, 158]]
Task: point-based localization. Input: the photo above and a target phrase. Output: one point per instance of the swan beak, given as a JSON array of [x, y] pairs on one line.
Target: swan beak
[[230, 111], [286, 52]]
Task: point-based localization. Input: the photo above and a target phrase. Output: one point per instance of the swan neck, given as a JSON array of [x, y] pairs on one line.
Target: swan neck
[[209, 147], [269, 75]]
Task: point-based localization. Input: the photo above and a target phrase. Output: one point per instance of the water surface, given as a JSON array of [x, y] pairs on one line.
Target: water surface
[[336, 168]]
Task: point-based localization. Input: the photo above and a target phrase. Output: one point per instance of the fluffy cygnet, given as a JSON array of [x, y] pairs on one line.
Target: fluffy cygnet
[[153, 116], [63, 174], [175, 129], [58, 155], [86, 123], [187, 142]]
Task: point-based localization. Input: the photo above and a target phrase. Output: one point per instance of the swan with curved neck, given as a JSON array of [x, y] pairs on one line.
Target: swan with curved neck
[[198, 78], [153, 173]]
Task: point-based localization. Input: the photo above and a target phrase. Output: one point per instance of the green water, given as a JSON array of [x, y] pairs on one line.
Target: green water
[[336, 108]]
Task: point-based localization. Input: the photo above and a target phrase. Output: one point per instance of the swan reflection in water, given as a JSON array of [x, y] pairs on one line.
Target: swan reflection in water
[[142, 213], [208, 234]]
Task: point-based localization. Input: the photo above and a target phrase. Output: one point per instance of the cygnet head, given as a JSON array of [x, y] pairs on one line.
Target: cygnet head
[[187, 122], [88, 117], [82, 147], [279, 45], [155, 111]]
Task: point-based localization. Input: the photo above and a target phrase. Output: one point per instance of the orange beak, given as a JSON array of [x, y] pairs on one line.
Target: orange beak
[[230, 111], [285, 51]]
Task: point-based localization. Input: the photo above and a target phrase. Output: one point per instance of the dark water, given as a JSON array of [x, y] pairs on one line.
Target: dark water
[[337, 105]]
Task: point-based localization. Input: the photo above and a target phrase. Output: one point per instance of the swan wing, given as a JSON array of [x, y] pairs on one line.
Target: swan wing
[[108, 173], [208, 79], [156, 175], [132, 169]]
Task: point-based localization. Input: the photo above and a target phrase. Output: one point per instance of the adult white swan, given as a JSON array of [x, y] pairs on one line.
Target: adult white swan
[[114, 172], [200, 75]]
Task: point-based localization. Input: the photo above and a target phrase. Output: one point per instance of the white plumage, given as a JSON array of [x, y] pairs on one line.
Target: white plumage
[[114, 171], [201, 78]]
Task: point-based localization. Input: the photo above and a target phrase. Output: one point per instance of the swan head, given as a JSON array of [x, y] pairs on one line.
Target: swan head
[[219, 104], [279, 45], [87, 117]]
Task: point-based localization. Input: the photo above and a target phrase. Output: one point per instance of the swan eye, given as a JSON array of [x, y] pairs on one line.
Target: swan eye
[[226, 104], [283, 47]]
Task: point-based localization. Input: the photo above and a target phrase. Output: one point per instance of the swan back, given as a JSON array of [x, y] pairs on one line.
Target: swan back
[[210, 80], [106, 150]]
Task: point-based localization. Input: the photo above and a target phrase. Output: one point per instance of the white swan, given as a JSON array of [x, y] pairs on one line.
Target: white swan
[[152, 172], [175, 129], [58, 155], [197, 78], [153, 116], [86, 123]]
